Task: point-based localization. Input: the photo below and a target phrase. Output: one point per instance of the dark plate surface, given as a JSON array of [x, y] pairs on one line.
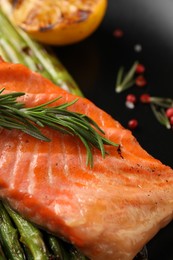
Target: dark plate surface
[[94, 64]]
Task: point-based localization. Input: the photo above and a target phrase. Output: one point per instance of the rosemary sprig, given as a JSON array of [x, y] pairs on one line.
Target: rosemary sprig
[[162, 101], [125, 81], [161, 116], [160, 107], [14, 115]]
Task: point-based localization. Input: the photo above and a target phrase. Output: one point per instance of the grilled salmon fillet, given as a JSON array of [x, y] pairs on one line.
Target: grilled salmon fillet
[[109, 211]]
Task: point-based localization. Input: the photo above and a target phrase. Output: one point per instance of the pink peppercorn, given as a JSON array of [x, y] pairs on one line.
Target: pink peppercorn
[[169, 112], [118, 33], [141, 81], [140, 68], [171, 120], [130, 101], [145, 98], [131, 98], [133, 123]]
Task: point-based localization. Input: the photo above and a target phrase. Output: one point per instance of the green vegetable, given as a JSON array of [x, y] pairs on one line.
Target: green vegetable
[[17, 47], [9, 237], [2, 255], [58, 247], [30, 236], [76, 254]]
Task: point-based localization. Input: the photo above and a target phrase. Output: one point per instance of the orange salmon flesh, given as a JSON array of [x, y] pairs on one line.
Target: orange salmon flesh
[[109, 211]]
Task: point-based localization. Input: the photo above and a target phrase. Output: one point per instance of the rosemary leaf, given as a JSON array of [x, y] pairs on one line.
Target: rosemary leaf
[[126, 81], [163, 102], [130, 74], [14, 115], [161, 116], [119, 77]]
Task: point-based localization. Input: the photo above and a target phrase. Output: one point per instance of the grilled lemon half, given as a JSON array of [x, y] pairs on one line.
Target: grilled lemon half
[[57, 22]]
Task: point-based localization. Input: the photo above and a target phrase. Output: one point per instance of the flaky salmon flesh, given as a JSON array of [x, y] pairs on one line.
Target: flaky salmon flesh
[[109, 211]]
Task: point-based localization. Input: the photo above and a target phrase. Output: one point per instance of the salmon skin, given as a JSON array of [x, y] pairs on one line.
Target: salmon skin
[[109, 211]]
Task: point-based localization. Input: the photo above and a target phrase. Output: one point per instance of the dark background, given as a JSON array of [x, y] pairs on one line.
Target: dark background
[[94, 64]]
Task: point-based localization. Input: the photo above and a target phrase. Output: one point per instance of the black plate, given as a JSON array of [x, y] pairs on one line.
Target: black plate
[[94, 64]]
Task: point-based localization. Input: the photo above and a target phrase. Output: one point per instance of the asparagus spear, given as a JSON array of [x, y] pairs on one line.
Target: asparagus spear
[[58, 248], [63, 250], [2, 255], [17, 46], [76, 255], [9, 237], [30, 236]]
